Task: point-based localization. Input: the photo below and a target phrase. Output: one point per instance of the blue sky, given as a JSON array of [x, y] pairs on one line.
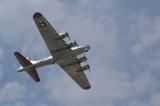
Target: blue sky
[[125, 61]]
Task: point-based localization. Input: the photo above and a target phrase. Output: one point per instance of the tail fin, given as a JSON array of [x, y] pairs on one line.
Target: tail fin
[[25, 62]]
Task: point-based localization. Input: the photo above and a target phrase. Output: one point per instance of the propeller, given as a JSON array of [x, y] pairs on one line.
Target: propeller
[[68, 35], [88, 67], [75, 43], [85, 59]]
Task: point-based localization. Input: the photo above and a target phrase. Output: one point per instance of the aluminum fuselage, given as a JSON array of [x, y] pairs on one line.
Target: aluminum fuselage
[[51, 60]]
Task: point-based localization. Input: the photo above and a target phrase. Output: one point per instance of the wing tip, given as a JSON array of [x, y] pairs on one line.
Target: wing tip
[[88, 87], [37, 15], [37, 80], [16, 52]]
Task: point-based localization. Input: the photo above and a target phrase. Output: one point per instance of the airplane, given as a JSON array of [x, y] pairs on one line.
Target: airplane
[[62, 53]]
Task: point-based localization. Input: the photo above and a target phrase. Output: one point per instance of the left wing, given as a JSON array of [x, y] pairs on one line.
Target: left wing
[[48, 33]]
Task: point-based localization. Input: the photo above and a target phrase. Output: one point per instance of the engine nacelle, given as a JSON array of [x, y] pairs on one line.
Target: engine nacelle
[[70, 45], [86, 67], [62, 36], [80, 50], [86, 48], [67, 46], [82, 59]]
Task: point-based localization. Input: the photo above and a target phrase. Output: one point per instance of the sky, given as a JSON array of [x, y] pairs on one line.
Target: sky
[[124, 37]]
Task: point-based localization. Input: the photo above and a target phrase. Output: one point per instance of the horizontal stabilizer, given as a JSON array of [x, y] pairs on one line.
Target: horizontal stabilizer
[[25, 62]]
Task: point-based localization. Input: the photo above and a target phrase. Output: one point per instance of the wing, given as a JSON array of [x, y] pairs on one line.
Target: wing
[[25, 62], [48, 33], [73, 70]]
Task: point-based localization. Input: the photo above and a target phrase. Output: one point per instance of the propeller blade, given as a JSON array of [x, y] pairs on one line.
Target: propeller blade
[[75, 43], [68, 35], [89, 68]]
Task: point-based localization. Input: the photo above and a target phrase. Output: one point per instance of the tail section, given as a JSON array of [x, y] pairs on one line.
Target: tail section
[[25, 62]]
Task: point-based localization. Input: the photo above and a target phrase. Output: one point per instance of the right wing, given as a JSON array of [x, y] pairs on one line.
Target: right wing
[[73, 70]]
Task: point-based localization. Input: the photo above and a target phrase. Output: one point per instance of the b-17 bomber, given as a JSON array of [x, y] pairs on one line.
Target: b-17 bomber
[[66, 55]]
